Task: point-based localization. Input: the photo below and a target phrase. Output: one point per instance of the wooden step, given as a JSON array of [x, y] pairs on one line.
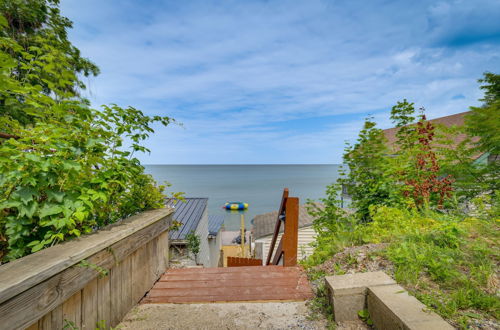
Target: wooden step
[[253, 283]]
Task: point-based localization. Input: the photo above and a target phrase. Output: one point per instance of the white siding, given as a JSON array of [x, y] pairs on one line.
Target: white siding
[[202, 232], [306, 236], [215, 245]]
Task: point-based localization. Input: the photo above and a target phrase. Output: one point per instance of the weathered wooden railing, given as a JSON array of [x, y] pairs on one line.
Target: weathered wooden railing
[[95, 279], [287, 248]]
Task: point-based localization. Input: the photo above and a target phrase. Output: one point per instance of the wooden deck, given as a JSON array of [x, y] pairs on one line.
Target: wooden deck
[[232, 284]]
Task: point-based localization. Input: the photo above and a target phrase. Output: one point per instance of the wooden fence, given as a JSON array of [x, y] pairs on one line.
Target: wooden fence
[[240, 262], [88, 282]]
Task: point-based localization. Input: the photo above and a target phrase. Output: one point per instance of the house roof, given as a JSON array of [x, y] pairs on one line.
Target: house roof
[[214, 223], [448, 121], [188, 212], [263, 224]]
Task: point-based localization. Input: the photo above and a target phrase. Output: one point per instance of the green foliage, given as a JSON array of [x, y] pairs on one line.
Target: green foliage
[[406, 173], [448, 261], [69, 325], [320, 307], [101, 271], [365, 316], [451, 268], [66, 169], [193, 244], [482, 136], [404, 196], [367, 179]]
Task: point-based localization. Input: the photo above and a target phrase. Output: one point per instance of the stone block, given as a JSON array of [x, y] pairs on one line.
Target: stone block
[[391, 307], [348, 292]]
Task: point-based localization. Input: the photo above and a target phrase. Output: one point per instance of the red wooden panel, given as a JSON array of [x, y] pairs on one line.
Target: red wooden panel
[[250, 283], [241, 262]]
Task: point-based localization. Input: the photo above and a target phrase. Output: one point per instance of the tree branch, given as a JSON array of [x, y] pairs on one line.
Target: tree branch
[[8, 136]]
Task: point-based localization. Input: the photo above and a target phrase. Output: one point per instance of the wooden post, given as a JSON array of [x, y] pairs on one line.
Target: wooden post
[[243, 254], [291, 234]]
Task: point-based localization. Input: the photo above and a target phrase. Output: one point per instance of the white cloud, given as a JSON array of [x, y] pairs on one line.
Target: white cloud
[[235, 72]]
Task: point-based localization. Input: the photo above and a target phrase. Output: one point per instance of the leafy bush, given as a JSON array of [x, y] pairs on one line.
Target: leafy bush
[[407, 197], [193, 244], [448, 261], [65, 168]]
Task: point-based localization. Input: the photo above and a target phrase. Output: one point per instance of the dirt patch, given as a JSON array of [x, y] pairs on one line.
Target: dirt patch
[[357, 259], [265, 315]]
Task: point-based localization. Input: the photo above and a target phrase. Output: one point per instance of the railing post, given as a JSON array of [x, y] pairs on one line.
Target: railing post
[[291, 235], [277, 226]]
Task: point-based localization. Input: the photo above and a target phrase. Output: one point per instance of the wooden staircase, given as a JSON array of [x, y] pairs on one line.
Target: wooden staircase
[[246, 279], [231, 284]]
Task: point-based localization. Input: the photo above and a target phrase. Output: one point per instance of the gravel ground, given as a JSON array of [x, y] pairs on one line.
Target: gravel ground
[[265, 315]]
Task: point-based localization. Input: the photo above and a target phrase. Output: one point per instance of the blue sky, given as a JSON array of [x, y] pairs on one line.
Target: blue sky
[[281, 81]]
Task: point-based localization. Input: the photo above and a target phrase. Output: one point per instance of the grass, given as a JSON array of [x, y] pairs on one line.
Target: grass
[[320, 307], [448, 262]]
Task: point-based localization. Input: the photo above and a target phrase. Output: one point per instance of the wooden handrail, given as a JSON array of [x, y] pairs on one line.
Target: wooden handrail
[[287, 247], [277, 225]]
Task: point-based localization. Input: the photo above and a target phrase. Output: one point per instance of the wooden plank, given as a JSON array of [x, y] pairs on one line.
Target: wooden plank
[[153, 259], [104, 301], [218, 270], [127, 301], [56, 318], [32, 304], [22, 274], [72, 311], [241, 262], [45, 323], [115, 288], [162, 251], [144, 274], [34, 326], [90, 305], [224, 276], [217, 283], [277, 225], [279, 252], [143, 277], [291, 234], [225, 298], [137, 270]]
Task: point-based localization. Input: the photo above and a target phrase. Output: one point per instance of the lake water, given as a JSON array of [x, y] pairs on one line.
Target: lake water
[[261, 186]]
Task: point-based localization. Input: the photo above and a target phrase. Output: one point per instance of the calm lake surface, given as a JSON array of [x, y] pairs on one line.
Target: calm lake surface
[[260, 186]]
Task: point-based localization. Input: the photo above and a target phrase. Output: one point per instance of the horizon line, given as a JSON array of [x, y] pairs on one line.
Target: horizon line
[[246, 164]]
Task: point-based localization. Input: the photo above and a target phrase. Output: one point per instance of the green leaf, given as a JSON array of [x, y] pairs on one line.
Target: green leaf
[[79, 215], [37, 247], [363, 314], [56, 195], [25, 194], [29, 210], [3, 21], [49, 209], [9, 204]]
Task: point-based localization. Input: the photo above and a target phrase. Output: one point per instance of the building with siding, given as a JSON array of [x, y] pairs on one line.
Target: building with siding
[[456, 120], [215, 223], [193, 215], [263, 229]]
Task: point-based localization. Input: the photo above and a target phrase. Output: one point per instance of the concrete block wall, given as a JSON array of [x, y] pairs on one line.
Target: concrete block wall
[[389, 305]]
